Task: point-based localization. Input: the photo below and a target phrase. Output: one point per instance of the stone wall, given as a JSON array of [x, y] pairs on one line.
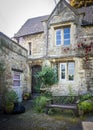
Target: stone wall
[[43, 44], [78, 85], [14, 58], [38, 45], [62, 17]]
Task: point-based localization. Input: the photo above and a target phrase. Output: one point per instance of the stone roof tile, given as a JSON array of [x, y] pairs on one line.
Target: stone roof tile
[[32, 26]]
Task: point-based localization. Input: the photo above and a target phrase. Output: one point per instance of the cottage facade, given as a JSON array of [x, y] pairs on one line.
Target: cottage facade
[[63, 40], [14, 60]]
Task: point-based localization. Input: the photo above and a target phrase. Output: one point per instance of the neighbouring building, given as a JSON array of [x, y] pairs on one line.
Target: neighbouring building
[[14, 58], [63, 40]]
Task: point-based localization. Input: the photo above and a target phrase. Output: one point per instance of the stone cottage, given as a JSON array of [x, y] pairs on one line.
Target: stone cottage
[[14, 59], [63, 40]]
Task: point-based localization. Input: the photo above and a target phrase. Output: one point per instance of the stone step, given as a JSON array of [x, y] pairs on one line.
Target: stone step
[[87, 125]]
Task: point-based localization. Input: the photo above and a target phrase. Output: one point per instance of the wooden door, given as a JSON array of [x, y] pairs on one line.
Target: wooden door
[[35, 84]]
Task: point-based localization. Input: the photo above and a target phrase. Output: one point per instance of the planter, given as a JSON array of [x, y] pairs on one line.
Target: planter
[[8, 109], [26, 96], [9, 100]]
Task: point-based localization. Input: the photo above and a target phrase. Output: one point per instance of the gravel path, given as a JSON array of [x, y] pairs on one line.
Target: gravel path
[[30, 120]]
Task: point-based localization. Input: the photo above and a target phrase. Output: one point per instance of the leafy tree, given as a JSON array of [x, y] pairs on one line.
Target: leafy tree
[[47, 76], [80, 3]]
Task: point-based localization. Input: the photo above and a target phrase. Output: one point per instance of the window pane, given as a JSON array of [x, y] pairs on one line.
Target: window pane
[[16, 79], [63, 71], [16, 76], [71, 70], [16, 82], [66, 42], [67, 30], [66, 36], [58, 37]]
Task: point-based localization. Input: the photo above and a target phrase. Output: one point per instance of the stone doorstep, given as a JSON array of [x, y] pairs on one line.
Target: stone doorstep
[[86, 125]]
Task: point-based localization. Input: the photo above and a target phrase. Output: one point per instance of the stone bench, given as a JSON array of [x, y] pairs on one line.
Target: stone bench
[[64, 102]]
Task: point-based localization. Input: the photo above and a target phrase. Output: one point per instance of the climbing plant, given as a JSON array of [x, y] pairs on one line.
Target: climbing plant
[[86, 49]]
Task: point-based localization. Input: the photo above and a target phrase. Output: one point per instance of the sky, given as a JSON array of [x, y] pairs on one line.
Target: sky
[[14, 13]]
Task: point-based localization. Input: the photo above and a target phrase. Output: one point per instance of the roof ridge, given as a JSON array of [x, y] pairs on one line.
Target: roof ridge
[[38, 17]]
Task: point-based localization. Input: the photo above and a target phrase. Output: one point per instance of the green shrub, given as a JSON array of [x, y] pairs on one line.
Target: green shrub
[[86, 96], [40, 103], [47, 94], [86, 106], [47, 76], [10, 97]]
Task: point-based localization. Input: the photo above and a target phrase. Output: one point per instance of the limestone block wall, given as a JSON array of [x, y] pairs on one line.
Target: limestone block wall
[[38, 45], [77, 86], [60, 18], [14, 58], [54, 50], [83, 80]]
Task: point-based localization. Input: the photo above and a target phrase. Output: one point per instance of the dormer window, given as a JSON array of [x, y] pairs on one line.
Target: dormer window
[[62, 36]]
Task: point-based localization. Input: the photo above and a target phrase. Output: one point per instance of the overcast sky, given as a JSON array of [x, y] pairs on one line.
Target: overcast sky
[[14, 13]]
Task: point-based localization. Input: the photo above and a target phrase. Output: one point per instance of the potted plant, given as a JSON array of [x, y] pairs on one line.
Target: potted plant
[[46, 77], [26, 95], [9, 99]]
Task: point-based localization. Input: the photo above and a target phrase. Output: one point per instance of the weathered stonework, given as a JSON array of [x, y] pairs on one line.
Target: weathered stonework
[[38, 46], [44, 50], [14, 58]]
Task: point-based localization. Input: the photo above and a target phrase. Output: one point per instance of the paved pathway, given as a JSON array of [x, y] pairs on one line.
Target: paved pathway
[[84, 125], [7, 122]]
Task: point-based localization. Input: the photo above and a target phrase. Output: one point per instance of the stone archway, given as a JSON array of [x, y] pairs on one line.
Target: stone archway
[[35, 86]]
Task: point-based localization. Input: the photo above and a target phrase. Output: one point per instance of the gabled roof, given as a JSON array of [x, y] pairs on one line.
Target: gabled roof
[[32, 26], [88, 15]]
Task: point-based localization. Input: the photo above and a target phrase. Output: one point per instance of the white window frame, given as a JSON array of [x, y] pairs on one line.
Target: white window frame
[[62, 35], [14, 79], [66, 72], [61, 71]]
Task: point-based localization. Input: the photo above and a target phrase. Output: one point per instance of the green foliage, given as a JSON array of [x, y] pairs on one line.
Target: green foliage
[[10, 97], [70, 91], [40, 103], [47, 94], [86, 96], [47, 76], [86, 106]]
